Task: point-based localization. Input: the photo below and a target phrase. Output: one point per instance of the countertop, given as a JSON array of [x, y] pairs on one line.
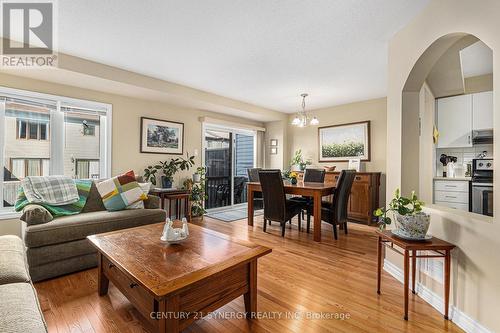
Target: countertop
[[454, 178]]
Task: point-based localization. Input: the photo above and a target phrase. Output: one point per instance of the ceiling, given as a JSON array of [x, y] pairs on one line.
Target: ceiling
[[263, 52], [476, 60]]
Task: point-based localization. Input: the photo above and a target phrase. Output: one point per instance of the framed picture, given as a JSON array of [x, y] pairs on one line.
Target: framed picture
[[341, 143], [274, 150], [161, 136], [274, 142]]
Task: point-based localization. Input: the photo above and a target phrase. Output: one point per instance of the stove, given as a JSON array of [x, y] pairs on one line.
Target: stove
[[481, 193]]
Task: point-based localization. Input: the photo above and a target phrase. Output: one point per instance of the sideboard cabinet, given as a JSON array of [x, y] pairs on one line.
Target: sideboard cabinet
[[364, 197]]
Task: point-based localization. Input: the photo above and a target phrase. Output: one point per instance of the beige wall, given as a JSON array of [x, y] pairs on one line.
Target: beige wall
[[126, 125], [372, 110], [477, 84], [475, 264]]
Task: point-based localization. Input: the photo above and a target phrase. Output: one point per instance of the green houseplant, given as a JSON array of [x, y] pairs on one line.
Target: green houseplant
[[169, 169], [411, 222], [198, 195], [298, 161]]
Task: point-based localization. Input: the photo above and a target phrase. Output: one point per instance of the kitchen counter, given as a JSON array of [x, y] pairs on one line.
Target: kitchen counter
[[454, 178]]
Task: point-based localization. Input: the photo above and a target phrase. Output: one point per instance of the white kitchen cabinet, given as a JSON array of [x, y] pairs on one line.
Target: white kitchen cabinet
[[482, 110], [452, 193], [454, 121]]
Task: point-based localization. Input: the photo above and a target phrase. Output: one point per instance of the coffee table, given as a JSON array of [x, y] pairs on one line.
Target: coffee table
[[173, 285]]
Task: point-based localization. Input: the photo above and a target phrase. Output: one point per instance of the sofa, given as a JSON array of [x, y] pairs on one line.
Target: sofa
[[19, 307], [60, 246]]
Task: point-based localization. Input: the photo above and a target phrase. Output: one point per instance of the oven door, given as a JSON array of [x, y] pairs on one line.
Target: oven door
[[482, 198]]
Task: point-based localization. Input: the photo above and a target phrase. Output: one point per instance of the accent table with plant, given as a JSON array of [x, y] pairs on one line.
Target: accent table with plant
[[169, 169], [411, 222]]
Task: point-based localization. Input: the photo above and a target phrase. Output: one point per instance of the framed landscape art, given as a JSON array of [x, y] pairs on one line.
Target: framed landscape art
[[161, 136], [341, 143]]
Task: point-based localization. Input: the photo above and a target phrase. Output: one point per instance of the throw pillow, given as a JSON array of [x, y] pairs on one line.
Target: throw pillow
[[140, 204], [36, 214], [121, 191]]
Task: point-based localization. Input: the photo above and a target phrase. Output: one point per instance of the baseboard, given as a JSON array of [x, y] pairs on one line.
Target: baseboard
[[461, 319]]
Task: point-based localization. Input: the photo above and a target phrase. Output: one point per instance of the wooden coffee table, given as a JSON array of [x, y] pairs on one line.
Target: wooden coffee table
[[173, 285]]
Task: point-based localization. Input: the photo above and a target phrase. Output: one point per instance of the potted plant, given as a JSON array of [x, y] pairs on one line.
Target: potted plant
[[198, 195], [169, 169], [411, 222], [293, 177], [298, 163]]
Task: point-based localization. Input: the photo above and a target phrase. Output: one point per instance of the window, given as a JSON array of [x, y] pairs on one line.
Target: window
[[44, 135]]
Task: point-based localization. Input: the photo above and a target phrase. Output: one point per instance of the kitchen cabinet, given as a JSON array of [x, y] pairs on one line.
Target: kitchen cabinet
[[454, 121], [482, 110], [364, 197], [452, 193]]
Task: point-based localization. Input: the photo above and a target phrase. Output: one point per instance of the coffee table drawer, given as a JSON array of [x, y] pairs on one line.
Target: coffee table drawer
[[135, 293]]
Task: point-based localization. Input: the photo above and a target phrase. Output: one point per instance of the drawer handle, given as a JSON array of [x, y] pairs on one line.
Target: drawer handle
[[111, 265], [450, 196], [358, 178], [133, 285], [451, 186]]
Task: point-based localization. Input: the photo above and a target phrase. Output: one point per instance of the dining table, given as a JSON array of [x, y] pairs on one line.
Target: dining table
[[315, 190]]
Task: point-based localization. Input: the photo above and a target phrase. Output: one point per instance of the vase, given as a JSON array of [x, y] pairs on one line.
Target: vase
[[412, 226], [166, 182], [293, 181]]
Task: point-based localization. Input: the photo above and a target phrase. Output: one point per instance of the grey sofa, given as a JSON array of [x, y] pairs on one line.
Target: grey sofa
[[19, 307], [60, 246]]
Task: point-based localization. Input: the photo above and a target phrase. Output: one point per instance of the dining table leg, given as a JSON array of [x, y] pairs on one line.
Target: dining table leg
[[317, 216], [250, 205]]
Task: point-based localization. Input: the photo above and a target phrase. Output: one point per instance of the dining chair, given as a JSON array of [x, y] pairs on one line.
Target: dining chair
[[310, 176], [276, 207], [253, 176], [335, 212]]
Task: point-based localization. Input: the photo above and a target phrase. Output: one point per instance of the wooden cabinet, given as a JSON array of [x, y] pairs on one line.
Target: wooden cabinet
[[482, 110], [364, 197], [454, 121]]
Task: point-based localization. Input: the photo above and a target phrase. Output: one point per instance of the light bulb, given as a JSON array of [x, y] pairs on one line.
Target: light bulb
[[296, 121], [314, 121]]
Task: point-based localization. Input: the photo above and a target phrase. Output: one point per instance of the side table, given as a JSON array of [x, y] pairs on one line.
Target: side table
[[439, 248], [177, 196]]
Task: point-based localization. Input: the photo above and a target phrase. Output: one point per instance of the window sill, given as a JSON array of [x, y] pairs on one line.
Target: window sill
[[8, 214]]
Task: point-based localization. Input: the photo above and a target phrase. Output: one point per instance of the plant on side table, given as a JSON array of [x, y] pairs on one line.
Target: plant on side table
[[169, 169], [298, 161], [411, 222]]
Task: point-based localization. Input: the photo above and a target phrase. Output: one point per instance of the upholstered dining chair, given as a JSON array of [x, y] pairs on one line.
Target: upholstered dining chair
[[253, 177], [335, 212], [276, 207], [310, 176]]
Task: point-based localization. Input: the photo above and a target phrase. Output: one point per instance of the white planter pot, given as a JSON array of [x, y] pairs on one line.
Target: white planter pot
[[196, 178], [412, 226], [295, 167]]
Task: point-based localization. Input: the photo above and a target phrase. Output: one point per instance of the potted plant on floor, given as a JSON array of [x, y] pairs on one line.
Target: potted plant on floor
[[198, 195], [169, 169], [411, 222]]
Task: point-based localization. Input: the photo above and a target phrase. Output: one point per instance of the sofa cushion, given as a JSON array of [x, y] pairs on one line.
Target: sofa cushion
[[121, 191], [20, 310], [69, 228], [36, 214], [13, 266], [94, 201]]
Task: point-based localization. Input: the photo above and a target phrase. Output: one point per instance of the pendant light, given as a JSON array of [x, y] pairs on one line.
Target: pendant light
[[302, 117]]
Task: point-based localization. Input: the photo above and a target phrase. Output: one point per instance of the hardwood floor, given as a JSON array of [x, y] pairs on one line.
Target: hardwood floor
[[335, 279]]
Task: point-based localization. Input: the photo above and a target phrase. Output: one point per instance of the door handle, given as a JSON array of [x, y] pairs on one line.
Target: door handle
[[111, 265], [133, 285]]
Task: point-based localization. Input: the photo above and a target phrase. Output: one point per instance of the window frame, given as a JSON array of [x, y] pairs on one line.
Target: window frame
[[55, 133]]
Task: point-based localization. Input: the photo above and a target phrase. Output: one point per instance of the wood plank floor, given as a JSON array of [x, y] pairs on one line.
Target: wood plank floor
[[300, 279]]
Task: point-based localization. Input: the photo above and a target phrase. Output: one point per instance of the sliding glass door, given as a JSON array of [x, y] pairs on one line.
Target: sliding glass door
[[228, 153]]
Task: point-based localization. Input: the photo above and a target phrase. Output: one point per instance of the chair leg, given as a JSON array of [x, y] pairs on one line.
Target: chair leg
[[290, 226], [283, 225], [335, 231], [302, 213], [345, 228], [269, 221], [265, 224], [308, 221], [300, 221]]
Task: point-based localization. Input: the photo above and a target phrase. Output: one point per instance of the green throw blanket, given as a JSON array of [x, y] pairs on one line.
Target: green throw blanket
[[83, 186]]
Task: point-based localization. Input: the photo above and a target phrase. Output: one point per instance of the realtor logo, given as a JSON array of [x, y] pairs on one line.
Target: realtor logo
[[28, 34]]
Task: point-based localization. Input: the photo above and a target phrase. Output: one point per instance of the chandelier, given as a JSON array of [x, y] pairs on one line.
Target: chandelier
[[302, 117]]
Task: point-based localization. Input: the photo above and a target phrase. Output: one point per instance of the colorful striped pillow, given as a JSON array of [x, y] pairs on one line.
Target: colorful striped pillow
[[121, 191]]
